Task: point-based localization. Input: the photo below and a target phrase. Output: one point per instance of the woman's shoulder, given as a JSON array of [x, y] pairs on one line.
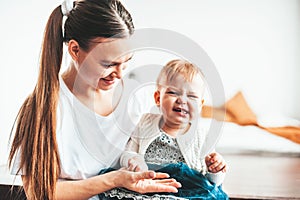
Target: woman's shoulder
[[63, 89]]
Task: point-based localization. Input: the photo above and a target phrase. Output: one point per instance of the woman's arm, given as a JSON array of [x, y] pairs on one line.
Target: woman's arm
[[78, 189], [142, 182]]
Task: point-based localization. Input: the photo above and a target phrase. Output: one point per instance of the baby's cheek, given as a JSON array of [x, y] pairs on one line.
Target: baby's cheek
[[194, 111], [193, 115]]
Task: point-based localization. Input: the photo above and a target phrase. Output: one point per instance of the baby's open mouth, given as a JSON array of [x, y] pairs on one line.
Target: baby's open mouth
[[181, 110]]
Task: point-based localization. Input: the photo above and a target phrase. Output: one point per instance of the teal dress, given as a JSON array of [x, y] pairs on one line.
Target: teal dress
[[164, 155]]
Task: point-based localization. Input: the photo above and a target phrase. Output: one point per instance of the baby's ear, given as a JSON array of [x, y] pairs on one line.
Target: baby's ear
[[157, 97]]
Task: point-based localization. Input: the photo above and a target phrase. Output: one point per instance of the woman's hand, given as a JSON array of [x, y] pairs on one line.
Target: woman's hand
[[215, 163], [145, 182]]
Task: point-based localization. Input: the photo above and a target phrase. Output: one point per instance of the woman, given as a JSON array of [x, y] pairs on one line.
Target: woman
[[74, 124]]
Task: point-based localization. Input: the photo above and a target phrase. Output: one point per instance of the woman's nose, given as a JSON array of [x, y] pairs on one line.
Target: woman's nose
[[117, 73]]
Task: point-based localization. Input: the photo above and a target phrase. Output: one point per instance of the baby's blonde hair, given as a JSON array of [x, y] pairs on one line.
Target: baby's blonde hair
[[175, 67]]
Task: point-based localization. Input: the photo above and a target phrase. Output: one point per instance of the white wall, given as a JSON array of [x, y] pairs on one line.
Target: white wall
[[22, 26], [255, 45]]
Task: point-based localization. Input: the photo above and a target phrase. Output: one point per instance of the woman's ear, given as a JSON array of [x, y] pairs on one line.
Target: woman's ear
[[73, 48], [157, 97]]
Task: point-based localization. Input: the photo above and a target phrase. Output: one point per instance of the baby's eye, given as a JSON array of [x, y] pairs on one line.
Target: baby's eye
[[172, 92], [193, 96]]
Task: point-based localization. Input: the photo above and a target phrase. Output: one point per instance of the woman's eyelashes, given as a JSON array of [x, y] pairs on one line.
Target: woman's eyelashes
[[108, 65]]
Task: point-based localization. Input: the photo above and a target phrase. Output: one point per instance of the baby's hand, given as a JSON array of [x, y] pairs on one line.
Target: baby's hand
[[215, 163], [137, 164]]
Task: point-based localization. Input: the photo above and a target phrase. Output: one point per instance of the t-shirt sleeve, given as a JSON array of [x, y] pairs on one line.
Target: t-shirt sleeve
[[15, 167]]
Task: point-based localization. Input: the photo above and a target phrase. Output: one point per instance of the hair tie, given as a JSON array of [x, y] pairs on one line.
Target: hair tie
[[67, 6]]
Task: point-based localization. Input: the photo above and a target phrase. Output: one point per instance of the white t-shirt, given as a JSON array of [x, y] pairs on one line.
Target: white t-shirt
[[88, 142]]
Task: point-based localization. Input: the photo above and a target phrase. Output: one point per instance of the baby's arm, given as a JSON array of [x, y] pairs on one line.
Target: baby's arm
[[216, 167], [137, 164], [131, 159]]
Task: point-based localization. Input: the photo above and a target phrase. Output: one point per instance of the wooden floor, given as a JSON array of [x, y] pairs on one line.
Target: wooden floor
[[262, 177], [7, 192], [248, 177]]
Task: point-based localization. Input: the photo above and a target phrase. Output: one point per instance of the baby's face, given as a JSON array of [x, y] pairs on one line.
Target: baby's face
[[180, 101]]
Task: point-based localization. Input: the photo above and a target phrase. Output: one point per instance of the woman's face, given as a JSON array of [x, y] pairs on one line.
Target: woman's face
[[102, 67]]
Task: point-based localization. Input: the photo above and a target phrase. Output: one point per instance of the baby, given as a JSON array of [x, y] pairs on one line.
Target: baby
[[172, 141]]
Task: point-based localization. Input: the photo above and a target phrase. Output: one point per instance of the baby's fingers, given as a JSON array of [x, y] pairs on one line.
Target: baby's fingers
[[225, 168], [216, 167], [132, 165]]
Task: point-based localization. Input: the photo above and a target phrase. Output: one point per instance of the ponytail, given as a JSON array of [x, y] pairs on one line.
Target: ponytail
[[35, 134]]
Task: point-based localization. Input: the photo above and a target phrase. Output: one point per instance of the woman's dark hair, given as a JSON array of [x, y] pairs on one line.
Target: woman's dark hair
[[35, 129], [96, 18]]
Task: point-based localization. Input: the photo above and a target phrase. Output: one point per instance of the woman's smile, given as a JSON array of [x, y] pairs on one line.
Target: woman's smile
[[108, 81]]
